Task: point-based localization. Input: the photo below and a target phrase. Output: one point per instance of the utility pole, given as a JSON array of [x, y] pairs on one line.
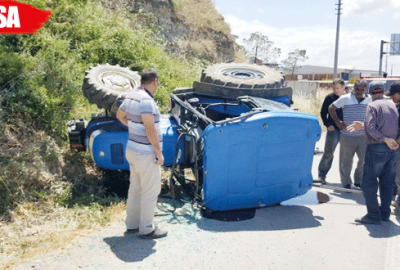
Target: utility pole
[[339, 9], [255, 57], [381, 56], [386, 64], [393, 51]]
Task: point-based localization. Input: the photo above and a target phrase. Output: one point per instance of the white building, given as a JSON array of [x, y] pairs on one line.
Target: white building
[[319, 73]]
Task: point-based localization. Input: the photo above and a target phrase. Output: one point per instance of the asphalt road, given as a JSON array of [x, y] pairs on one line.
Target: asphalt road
[[299, 234]]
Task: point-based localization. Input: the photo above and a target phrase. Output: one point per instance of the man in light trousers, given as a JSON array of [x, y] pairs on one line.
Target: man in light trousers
[[354, 107], [144, 153]]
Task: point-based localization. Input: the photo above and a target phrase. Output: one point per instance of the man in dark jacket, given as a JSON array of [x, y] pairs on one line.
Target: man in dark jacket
[[332, 131], [394, 94], [380, 126]]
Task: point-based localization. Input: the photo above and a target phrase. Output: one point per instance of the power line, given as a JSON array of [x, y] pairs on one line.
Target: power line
[[356, 37]]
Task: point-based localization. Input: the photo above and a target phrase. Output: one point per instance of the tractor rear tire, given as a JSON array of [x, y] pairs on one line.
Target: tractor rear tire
[[104, 84], [242, 76]]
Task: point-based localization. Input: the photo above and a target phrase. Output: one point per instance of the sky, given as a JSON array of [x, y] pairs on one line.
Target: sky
[[311, 25]]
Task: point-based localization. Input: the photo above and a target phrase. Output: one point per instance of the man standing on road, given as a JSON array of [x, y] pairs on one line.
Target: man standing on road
[[333, 132], [380, 126], [394, 94], [144, 153], [354, 105]]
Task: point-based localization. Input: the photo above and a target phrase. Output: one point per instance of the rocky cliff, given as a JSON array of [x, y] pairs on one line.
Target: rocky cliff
[[191, 27]]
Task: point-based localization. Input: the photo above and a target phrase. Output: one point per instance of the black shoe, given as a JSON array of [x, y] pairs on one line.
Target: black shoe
[[348, 186], [157, 233], [321, 179], [367, 220], [357, 185], [318, 152], [131, 231]]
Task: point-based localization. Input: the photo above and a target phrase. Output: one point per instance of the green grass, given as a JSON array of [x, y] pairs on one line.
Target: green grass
[[41, 180], [44, 185], [44, 72]]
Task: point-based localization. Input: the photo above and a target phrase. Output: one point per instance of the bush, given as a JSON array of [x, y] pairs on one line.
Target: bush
[[44, 72], [41, 81]]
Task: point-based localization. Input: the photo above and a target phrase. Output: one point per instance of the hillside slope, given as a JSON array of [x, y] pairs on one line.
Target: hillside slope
[[44, 185], [191, 27]]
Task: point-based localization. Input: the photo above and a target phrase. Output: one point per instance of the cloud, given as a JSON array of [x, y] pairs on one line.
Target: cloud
[[396, 15], [361, 51], [260, 10], [368, 7]]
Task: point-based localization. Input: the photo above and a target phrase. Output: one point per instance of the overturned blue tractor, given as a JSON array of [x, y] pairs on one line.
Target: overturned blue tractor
[[235, 129]]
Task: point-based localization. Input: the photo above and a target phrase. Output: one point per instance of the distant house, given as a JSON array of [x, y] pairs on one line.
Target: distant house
[[257, 61], [319, 73]]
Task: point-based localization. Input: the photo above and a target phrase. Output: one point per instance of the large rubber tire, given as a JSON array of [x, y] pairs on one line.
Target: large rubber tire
[[233, 92], [104, 84], [242, 76]]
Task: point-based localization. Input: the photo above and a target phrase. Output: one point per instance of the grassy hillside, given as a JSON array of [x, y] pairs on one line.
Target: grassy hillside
[[50, 195], [201, 14], [45, 71], [43, 185]]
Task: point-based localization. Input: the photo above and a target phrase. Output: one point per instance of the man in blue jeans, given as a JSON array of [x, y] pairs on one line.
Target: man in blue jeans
[[380, 128], [394, 94], [332, 130]]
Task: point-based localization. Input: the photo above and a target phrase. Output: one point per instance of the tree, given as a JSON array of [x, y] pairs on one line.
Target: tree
[[291, 63], [259, 46]]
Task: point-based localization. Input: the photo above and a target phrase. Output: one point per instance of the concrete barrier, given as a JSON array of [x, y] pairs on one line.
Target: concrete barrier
[[307, 88]]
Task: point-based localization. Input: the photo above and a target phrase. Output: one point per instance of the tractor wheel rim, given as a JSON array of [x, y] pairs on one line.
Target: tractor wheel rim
[[117, 81], [247, 74]]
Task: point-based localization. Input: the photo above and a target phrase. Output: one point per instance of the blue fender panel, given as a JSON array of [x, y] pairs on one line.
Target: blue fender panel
[[259, 161], [285, 100], [108, 147], [101, 146]]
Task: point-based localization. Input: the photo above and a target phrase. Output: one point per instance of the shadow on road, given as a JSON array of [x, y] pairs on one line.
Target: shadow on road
[[130, 248], [274, 218], [386, 230], [358, 198], [290, 214]]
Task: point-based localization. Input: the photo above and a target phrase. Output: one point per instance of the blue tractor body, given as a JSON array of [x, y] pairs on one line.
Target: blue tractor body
[[106, 140], [245, 152]]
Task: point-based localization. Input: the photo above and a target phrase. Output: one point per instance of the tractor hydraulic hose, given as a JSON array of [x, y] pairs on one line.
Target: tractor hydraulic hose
[[174, 165]]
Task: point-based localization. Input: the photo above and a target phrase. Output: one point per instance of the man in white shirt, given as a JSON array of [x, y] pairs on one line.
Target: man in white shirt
[[144, 153], [354, 106]]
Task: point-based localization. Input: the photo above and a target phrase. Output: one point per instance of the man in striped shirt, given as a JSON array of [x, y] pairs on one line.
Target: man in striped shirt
[[144, 153], [354, 106]]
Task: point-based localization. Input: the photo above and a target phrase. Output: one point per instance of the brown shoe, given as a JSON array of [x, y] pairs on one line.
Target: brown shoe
[[157, 233]]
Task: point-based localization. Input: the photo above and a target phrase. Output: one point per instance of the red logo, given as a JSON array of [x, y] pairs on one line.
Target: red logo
[[19, 18]]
